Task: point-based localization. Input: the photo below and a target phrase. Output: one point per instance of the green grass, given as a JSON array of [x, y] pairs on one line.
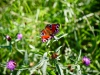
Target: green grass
[[79, 36]]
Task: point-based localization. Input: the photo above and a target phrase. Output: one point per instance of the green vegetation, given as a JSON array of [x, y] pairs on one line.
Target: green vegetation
[[79, 36]]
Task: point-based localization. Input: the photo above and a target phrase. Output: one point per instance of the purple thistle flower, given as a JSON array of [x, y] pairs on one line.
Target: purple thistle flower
[[11, 65], [8, 37], [19, 36], [86, 61]]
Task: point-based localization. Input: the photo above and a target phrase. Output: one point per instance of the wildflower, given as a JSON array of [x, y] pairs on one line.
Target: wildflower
[[71, 69], [86, 61], [8, 37], [19, 36], [69, 66], [54, 55], [11, 65]]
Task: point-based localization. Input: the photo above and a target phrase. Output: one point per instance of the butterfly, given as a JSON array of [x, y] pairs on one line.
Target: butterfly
[[49, 31]]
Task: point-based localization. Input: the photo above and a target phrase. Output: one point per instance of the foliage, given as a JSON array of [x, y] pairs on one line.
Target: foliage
[[78, 36]]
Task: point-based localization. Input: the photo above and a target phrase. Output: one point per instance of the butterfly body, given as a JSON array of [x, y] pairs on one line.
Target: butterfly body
[[49, 32]]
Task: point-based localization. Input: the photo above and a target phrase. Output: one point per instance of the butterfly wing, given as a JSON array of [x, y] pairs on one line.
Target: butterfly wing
[[55, 28], [49, 32], [45, 35]]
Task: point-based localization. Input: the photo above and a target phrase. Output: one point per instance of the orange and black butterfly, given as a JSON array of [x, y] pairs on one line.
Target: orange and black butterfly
[[49, 32]]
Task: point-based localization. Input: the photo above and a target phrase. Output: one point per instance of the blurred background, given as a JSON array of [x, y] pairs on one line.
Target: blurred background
[[79, 35]]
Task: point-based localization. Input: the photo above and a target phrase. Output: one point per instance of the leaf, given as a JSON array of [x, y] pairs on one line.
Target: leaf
[[31, 46], [21, 51], [40, 64], [79, 57], [58, 48], [44, 67], [19, 72], [60, 71], [98, 64], [26, 57], [60, 37], [79, 70]]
